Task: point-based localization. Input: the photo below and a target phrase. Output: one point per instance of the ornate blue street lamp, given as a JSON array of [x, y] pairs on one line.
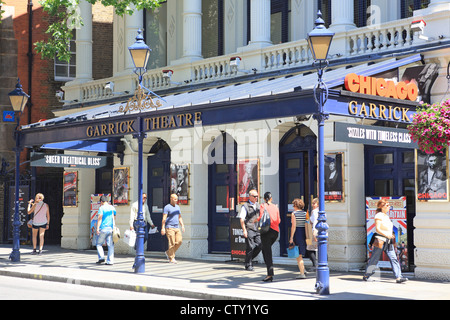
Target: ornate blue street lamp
[[319, 41], [140, 53], [18, 100]]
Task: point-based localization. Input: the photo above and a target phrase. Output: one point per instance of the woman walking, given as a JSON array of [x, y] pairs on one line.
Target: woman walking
[[268, 238], [41, 220], [384, 241], [298, 234]]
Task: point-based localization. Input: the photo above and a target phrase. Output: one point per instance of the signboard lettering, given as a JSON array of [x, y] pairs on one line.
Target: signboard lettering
[[67, 161], [372, 135], [381, 87]]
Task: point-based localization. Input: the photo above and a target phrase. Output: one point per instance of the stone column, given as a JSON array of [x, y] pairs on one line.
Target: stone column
[[84, 44], [132, 24], [192, 29], [260, 23], [342, 15]]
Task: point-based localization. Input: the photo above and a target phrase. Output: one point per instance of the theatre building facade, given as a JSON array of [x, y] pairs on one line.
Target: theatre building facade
[[232, 109]]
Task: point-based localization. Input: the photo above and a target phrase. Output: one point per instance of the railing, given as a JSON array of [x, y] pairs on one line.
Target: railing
[[381, 38]]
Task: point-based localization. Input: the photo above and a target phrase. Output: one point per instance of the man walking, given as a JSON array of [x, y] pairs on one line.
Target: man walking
[[105, 226], [171, 223], [249, 214], [146, 213]]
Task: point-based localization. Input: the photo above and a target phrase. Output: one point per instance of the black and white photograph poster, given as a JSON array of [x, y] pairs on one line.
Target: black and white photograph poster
[[179, 182], [334, 177], [432, 176]]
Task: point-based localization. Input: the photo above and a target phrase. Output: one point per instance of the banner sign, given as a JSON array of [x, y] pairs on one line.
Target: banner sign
[[398, 215], [371, 135], [237, 240], [24, 193], [67, 161]]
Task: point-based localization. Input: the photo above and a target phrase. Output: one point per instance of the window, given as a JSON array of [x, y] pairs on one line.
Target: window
[[66, 71], [279, 21], [156, 36], [325, 7], [408, 6], [360, 12], [212, 28]]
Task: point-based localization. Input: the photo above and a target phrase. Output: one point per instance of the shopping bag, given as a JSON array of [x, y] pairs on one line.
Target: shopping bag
[[153, 230], [129, 237], [293, 252]]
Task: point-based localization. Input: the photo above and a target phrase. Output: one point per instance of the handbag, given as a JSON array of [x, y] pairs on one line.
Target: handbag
[[264, 223], [293, 252], [116, 234], [129, 237]]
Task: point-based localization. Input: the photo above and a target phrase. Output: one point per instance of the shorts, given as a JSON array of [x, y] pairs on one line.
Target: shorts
[[40, 226]]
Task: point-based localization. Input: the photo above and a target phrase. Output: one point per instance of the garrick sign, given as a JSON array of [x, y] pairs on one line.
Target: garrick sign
[[150, 123], [376, 99]]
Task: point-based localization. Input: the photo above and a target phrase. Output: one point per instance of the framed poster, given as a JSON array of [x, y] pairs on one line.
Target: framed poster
[[398, 215], [121, 185], [432, 176], [70, 189], [179, 182], [334, 177], [248, 178]]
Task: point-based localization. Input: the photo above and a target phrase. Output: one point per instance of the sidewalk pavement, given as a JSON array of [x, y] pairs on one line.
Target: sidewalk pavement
[[201, 279]]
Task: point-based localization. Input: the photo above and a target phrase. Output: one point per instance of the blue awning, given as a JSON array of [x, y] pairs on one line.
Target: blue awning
[[100, 145]]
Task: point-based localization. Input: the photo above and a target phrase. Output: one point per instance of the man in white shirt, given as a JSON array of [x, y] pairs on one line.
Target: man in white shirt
[[249, 214], [146, 213]]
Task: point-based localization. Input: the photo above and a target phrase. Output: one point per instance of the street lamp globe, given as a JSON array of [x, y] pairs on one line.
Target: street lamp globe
[[319, 39], [18, 98], [140, 53]]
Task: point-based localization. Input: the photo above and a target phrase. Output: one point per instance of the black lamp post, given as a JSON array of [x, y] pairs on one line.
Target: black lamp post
[[18, 100], [319, 41]]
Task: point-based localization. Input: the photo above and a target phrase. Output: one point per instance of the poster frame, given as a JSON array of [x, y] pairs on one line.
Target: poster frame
[[243, 197], [121, 183]]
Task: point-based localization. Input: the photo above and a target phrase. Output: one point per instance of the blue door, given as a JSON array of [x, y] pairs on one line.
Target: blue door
[[390, 172], [298, 178], [158, 192], [221, 193]]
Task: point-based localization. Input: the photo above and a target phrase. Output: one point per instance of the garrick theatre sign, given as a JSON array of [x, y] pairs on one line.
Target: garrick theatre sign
[[149, 124], [365, 97]]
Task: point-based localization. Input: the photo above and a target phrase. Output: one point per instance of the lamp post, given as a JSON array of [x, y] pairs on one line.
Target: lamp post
[[18, 100], [319, 41], [140, 53]]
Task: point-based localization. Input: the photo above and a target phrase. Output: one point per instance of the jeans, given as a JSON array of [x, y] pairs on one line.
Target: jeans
[[376, 255], [105, 234]]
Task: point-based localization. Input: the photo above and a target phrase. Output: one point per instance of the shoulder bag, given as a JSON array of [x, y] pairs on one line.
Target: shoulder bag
[[264, 223]]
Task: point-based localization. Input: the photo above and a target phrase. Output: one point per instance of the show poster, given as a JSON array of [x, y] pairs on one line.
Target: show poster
[[179, 182], [248, 178], [95, 205], [237, 239], [397, 214]]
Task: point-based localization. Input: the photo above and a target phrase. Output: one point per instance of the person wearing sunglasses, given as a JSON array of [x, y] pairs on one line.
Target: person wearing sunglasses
[[384, 241], [248, 215]]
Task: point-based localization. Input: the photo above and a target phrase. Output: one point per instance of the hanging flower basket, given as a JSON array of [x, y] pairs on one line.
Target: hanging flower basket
[[430, 127]]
